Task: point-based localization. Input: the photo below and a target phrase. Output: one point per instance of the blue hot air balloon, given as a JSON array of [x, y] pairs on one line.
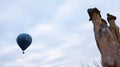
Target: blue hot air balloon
[[24, 40]]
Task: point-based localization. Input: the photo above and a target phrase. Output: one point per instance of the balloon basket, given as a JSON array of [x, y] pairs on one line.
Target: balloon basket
[[23, 52]]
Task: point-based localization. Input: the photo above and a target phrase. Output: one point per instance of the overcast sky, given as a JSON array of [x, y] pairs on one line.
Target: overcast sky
[[62, 35]]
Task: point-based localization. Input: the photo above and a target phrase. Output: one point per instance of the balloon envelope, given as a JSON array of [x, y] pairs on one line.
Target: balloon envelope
[[24, 40]]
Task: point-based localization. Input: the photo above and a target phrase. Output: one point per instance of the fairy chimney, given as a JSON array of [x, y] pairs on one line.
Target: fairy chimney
[[113, 27], [107, 38]]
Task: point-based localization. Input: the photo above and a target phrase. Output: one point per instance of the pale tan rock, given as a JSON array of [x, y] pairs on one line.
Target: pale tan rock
[[105, 39]]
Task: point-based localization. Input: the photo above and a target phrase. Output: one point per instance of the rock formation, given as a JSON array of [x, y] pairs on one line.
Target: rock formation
[[107, 38], [113, 27]]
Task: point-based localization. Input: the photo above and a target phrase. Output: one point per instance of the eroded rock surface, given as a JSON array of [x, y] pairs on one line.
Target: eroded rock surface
[[107, 38]]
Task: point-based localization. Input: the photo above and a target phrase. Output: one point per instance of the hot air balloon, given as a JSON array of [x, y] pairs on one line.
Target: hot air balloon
[[24, 40]]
